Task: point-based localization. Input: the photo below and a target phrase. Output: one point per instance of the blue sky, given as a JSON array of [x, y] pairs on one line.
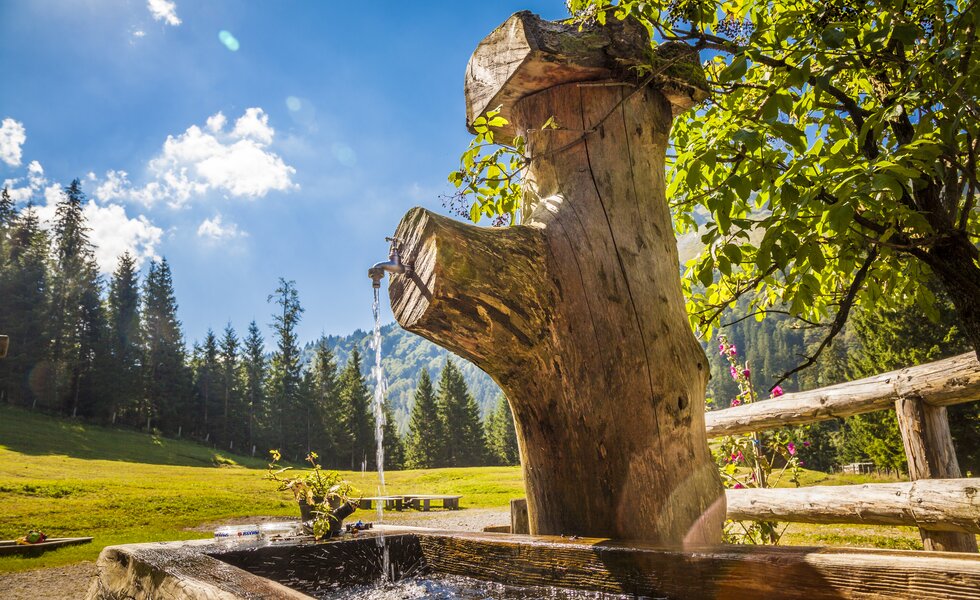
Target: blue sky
[[290, 145]]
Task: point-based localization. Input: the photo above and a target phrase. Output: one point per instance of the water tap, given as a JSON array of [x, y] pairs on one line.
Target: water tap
[[392, 265]]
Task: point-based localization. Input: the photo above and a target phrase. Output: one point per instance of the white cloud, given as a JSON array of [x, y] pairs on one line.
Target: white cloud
[[254, 124], [139, 33], [112, 231], [198, 161], [215, 229], [33, 183], [12, 137], [164, 10], [217, 122]]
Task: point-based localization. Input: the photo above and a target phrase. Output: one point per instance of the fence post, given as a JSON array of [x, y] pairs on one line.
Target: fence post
[[519, 522], [929, 449]]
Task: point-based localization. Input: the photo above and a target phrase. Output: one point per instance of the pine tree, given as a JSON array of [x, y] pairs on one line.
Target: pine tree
[[232, 410], [393, 446], [333, 438], [465, 446], [206, 378], [25, 310], [357, 418], [426, 445], [501, 434], [308, 435], [166, 378], [254, 365], [8, 219], [76, 317], [285, 373], [125, 345]]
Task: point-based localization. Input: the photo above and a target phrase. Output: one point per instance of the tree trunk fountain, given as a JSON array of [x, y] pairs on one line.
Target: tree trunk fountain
[[577, 312]]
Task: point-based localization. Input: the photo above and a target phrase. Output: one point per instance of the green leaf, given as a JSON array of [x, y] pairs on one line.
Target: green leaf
[[906, 33], [736, 70], [833, 36]]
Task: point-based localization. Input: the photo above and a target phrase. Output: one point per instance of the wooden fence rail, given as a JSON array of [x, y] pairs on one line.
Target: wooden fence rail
[[942, 383], [949, 505], [919, 395]]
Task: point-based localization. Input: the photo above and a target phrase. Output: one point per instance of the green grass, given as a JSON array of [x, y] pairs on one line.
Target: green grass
[[126, 487]]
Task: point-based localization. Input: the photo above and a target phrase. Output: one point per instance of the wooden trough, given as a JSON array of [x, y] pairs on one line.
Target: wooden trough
[[202, 569]]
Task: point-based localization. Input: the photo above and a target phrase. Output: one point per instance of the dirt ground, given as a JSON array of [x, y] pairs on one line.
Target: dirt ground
[[72, 582]]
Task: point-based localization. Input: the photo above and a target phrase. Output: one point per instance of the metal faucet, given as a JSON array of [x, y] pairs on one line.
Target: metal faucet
[[392, 265]]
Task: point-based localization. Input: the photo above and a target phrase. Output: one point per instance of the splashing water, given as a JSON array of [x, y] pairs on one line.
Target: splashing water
[[380, 393]]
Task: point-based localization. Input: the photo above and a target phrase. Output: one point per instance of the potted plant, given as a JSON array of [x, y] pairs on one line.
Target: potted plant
[[325, 498]]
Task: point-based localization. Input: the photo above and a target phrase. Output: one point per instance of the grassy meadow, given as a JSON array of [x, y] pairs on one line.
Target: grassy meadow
[[122, 487], [126, 487]]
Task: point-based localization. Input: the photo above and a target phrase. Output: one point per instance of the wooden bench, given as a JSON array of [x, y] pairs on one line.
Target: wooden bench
[[424, 501], [390, 502]]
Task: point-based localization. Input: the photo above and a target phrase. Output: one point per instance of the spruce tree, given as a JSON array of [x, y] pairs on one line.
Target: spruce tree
[[78, 324], [308, 436], [166, 379], [393, 446], [8, 218], [426, 444], [333, 438], [125, 346], [465, 446], [25, 313], [285, 374], [357, 418], [254, 365], [501, 434], [232, 411], [206, 379]]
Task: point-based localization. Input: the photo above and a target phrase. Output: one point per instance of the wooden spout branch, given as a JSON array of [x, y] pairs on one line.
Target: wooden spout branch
[[578, 313]]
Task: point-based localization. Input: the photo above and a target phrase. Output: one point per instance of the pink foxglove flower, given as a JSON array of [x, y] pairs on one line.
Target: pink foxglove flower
[[791, 448], [738, 486], [777, 392]]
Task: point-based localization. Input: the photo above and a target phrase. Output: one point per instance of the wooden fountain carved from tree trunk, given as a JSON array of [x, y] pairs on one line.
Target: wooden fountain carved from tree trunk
[[577, 313]]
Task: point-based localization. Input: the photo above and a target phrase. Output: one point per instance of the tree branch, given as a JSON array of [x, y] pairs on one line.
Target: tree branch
[[842, 313]]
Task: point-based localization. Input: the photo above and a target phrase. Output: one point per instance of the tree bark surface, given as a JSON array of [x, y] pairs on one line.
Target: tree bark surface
[[578, 315]]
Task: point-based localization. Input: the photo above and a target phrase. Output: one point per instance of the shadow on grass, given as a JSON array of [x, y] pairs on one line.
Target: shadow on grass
[[36, 434]]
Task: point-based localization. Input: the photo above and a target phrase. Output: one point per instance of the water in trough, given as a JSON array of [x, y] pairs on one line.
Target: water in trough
[[452, 587]]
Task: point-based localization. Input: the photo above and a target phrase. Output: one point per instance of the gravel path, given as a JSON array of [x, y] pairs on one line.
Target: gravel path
[[64, 583], [72, 582]]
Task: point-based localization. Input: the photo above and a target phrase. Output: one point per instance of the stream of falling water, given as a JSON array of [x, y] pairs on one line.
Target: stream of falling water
[[380, 393]]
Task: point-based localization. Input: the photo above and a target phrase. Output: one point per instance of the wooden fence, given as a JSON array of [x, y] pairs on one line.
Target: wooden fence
[[944, 507]]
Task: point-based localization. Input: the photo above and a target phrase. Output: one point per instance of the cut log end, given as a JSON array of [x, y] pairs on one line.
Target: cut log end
[[528, 54]]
